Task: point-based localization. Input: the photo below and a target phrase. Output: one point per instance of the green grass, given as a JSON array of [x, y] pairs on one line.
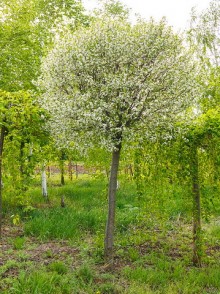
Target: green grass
[[63, 223], [83, 214], [18, 243], [58, 266], [152, 242], [160, 278], [41, 282]]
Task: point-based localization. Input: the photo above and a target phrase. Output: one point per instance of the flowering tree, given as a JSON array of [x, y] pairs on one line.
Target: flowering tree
[[108, 82]]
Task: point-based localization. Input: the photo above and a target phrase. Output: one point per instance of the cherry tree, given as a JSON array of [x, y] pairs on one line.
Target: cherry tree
[[108, 82]]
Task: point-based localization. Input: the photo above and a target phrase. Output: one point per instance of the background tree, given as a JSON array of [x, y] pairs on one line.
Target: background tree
[[112, 9], [21, 122], [205, 38], [200, 134], [205, 33], [27, 28]]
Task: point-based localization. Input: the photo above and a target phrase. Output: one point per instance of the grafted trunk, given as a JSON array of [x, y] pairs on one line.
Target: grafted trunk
[[2, 136], [109, 234], [197, 238]]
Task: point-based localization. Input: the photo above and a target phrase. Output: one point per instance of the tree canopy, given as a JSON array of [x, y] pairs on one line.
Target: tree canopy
[[113, 76]]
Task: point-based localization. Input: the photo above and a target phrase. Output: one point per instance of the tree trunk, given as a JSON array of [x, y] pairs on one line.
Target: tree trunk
[[109, 234], [62, 164], [44, 182], [62, 180], [2, 136], [197, 238], [70, 169], [76, 169]]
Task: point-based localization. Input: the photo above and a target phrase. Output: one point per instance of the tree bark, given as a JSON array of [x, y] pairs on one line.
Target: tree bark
[[2, 136], [110, 225], [44, 182], [62, 180], [62, 163], [70, 169], [197, 238], [76, 169]]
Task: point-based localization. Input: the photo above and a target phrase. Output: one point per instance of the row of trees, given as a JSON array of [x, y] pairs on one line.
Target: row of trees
[[107, 84], [27, 31]]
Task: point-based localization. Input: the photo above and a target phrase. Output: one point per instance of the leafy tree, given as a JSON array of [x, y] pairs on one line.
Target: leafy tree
[[204, 36], [204, 32], [26, 28], [201, 131], [109, 82], [112, 9], [204, 131], [21, 121], [18, 49]]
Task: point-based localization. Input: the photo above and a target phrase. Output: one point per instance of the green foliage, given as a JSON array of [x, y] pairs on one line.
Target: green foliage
[[40, 282], [154, 206], [175, 278], [59, 267], [148, 276], [153, 247], [112, 9], [23, 121], [204, 32], [19, 243], [19, 52], [63, 223], [26, 29], [7, 266], [108, 288], [83, 212], [85, 274]]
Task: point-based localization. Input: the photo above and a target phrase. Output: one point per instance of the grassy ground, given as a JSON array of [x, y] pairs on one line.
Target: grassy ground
[[52, 249]]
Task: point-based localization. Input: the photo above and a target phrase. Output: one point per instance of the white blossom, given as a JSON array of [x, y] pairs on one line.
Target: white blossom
[[105, 82]]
